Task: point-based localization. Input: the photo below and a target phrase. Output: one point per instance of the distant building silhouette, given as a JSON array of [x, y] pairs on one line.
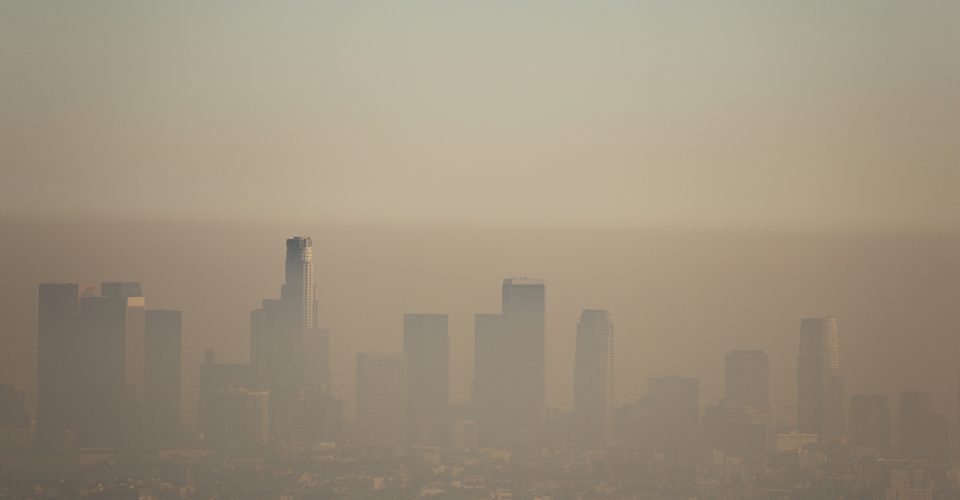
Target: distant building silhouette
[[746, 380], [162, 371], [738, 425], [819, 385], [59, 361], [426, 344], [870, 422], [242, 417], [666, 419], [923, 434], [215, 378], [593, 395], [510, 363], [316, 361], [381, 398], [286, 346], [13, 411], [112, 373]]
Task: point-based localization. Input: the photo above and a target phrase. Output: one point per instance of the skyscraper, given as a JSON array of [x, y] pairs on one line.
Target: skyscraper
[[593, 377], [524, 312], [112, 374], [316, 361], [162, 374], [870, 422], [298, 293], [279, 333], [58, 360], [746, 378], [819, 385], [13, 412], [510, 355], [490, 377], [381, 398], [923, 434], [426, 344], [242, 417], [215, 378]]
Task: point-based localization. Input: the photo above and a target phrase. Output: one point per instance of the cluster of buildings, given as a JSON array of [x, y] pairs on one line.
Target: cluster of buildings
[[109, 377]]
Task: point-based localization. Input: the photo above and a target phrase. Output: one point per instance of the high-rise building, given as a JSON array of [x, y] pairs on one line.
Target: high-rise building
[[298, 292], [242, 417], [112, 373], [316, 361], [426, 344], [219, 377], [510, 353], [593, 377], [746, 378], [285, 343], [381, 398], [490, 377], [819, 385], [524, 313], [162, 375], [923, 434], [870, 422], [13, 411], [58, 361]]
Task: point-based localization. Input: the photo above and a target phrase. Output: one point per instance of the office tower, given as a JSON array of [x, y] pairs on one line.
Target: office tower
[[524, 311], [316, 361], [282, 333], [162, 375], [509, 378], [426, 344], [381, 399], [242, 418], [593, 378], [112, 374], [746, 378], [298, 293], [58, 360], [13, 411], [218, 377], [870, 422], [819, 386], [490, 377], [923, 434]]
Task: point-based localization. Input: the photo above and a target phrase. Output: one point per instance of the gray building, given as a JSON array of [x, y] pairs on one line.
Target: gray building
[[870, 422], [426, 344], [509, 390], [59, 345], [593, 394], [819, 385], [746, 381], [381, 399], [285, 342], [162, 375]]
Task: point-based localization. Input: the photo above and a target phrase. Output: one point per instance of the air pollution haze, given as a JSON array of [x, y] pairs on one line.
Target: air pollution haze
[[479, 250]]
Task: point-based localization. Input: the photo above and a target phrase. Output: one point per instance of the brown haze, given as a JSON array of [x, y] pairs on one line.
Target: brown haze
[[680, 299], [709, 172]]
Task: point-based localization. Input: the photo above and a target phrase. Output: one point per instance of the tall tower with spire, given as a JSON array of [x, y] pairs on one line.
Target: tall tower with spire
[[279, 332]]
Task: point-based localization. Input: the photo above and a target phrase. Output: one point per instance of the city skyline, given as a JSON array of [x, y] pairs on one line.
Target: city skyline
[[541, 250]]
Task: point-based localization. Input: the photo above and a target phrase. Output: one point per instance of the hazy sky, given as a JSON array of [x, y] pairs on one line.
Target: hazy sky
[[835, 114]]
